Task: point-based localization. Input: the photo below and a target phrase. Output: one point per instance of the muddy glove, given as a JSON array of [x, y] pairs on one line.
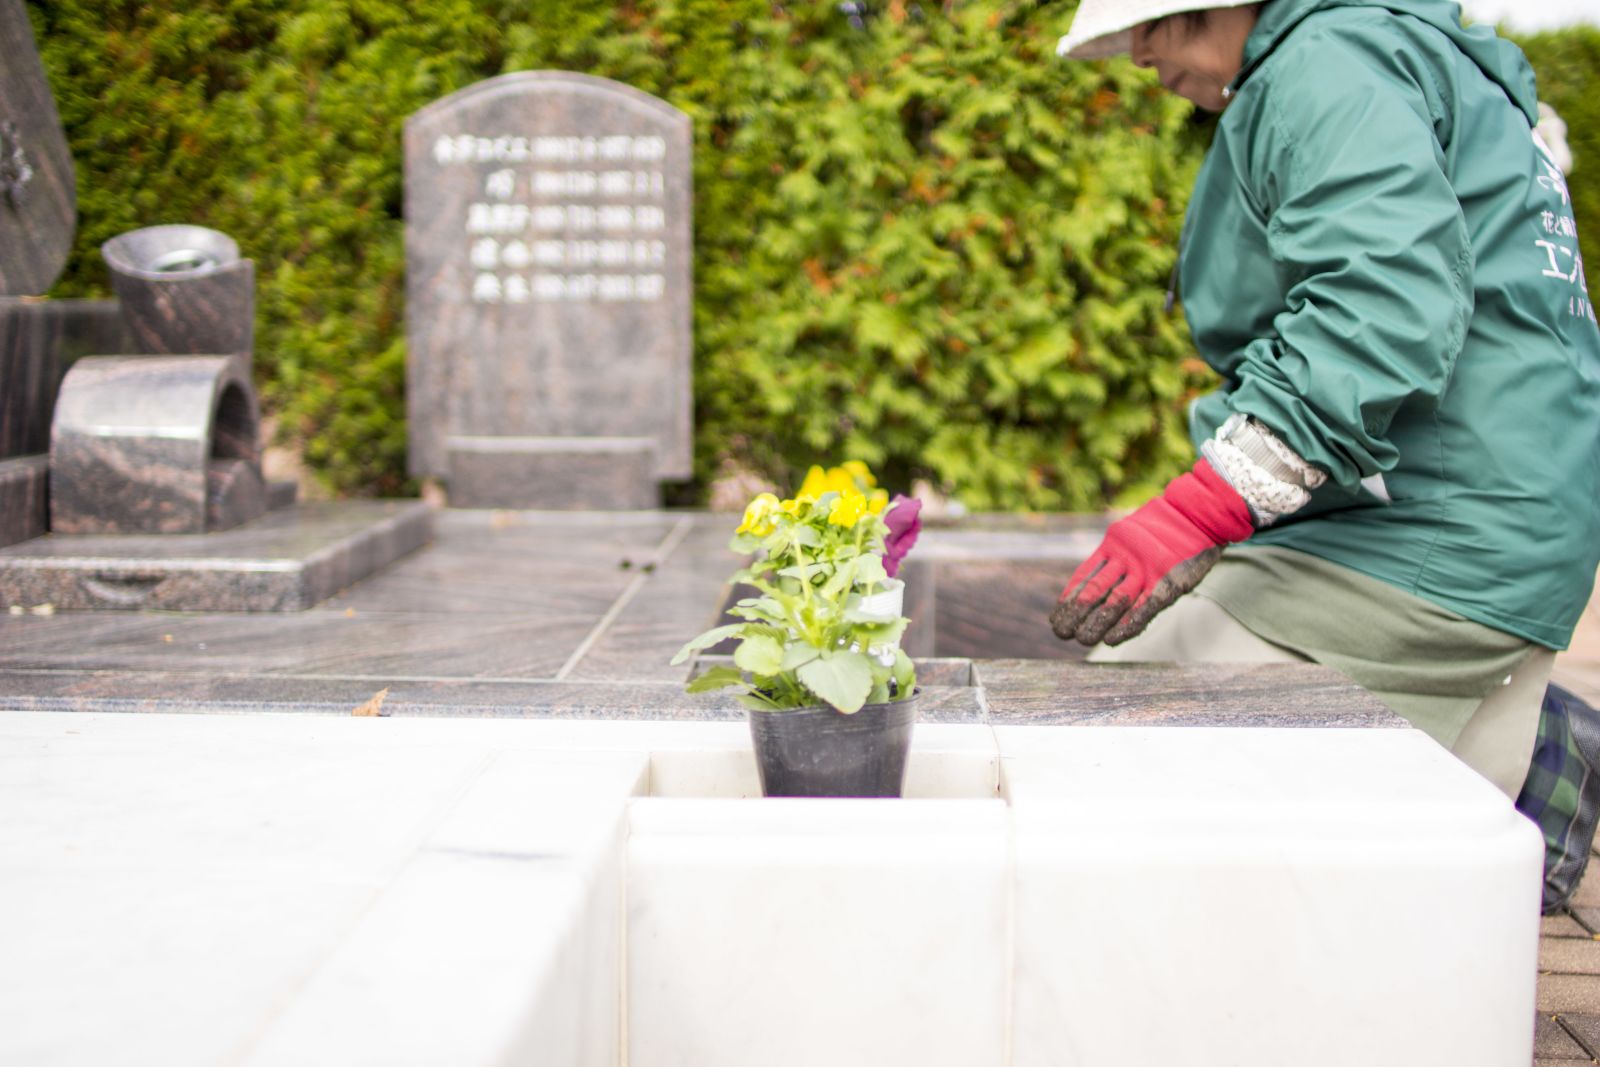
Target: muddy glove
[[1248, 479]]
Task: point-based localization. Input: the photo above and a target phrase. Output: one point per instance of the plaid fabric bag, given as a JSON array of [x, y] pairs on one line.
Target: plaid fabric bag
[[1562, 791]]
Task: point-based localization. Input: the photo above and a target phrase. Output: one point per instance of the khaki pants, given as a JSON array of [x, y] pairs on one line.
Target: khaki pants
[[1497, 741]]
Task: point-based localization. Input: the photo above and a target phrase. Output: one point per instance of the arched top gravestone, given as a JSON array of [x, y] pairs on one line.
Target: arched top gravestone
[[38, 200], [548, 274]]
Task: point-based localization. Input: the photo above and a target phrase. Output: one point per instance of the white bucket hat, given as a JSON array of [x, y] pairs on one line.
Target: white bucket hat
[[1101, 27]]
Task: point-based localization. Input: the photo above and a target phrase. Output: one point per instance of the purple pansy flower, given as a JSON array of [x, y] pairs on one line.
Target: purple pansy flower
[[904, 519]]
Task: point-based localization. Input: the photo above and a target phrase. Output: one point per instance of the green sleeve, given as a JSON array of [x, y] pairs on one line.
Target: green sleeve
[[1370, 245]]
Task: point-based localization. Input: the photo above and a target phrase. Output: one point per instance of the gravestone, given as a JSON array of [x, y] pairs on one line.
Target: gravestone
[[38, 198], [142, 446], [38, 206], [548, 292]]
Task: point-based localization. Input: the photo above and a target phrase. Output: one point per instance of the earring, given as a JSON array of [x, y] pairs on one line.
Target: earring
[[1227, 93]]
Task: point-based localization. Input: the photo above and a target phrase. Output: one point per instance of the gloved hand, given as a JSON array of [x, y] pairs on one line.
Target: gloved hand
[[1151, 558]]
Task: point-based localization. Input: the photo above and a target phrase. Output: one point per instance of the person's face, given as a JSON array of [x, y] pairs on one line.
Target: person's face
[[1196, 60]]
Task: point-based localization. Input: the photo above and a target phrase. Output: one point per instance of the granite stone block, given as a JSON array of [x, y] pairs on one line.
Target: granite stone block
[[235, 493], [984, 590], [1552, 1042], [1030, 693], [39, 339], [38, 190], [1584, 1024], [548, 261], [1561, 925], [560, 473], [282, 494], [24, 498], [1562, 993], [1565, 955], [184, 290], [286, 561], [511, 563], [135, 436]]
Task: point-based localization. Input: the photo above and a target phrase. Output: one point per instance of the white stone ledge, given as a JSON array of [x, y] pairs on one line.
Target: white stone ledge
[[282, 889]]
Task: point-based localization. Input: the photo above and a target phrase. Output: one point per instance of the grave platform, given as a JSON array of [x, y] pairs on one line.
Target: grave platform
[[285, 561], [1137, 864]]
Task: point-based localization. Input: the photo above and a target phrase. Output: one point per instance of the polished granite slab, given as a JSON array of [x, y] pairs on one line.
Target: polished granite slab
[[169, 692], [578, 615], [1029, 693], [24, 498], [285, 561]]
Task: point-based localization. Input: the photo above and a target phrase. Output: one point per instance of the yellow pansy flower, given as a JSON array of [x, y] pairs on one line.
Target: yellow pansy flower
[[816, 483], [847, 509], [878, 501], [758, 515], [797, 505], [860, 473]]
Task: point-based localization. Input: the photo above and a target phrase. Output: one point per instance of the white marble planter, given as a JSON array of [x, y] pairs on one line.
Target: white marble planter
[[285, 889]]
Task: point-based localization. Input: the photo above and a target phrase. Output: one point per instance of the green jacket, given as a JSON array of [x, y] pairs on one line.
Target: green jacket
[[1383, 266]]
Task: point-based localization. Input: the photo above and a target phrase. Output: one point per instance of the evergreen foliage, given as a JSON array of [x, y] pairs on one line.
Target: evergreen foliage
[[1568, 66], [921, 240]]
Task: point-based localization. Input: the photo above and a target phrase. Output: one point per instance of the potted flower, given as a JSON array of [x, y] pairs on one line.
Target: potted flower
[[829, 691]]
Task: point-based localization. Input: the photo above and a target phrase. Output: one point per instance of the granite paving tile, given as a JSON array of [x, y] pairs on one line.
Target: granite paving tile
[[1565, 955], [1586, 898], [207, 693], [447, 580], [510, 561], [527, 645], [1022, 692], [1584, 1025], [1552, 1042], [1561, 925], [999, 610], [1560, 994], [678, 598], [174, 692]]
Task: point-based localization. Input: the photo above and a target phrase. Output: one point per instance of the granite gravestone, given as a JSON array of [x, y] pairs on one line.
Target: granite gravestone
[[38, 205], [147, 445], [37, 221], [548, 292]]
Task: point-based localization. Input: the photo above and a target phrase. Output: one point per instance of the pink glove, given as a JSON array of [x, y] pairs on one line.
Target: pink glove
[[1151, 558]]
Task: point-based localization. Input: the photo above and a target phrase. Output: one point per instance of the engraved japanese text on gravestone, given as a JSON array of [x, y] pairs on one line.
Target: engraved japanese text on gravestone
[[548, 267]]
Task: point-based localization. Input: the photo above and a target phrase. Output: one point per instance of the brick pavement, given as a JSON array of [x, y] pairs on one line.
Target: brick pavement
[[1568, 1021]]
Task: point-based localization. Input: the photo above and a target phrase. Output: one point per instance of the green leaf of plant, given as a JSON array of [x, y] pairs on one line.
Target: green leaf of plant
[[804, 573], [709, 638], [798, 655], [760, 654], [871, 636], [905, 674], [715, 678], [805, 535], [869, 570], [842, 679], [757, 702]]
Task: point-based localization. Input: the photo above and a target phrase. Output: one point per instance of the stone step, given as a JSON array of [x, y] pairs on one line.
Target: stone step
[[553, 473]]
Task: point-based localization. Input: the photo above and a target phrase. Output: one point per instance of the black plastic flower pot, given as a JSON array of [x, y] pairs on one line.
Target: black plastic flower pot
[[819, 752]]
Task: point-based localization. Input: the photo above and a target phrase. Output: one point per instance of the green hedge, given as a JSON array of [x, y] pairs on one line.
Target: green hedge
[[1568, 65], [920, 240]]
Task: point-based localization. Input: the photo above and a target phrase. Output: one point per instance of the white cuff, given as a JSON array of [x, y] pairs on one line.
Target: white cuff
[[1271, 477]]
